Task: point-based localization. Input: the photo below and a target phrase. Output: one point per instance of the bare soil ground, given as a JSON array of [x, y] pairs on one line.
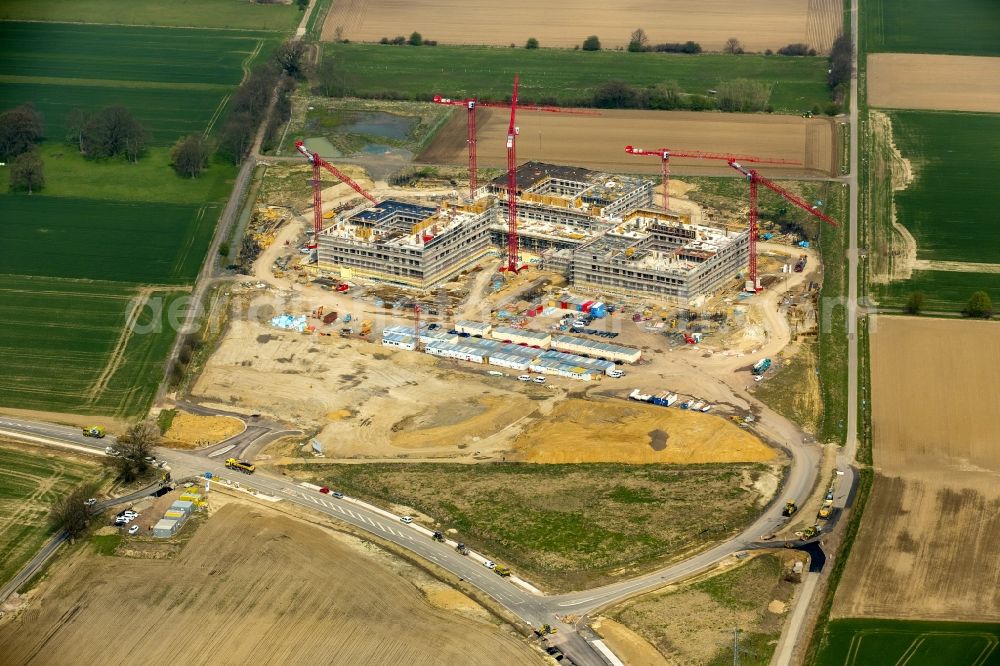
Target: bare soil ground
[[193, 430], [927, 544], [935, 82], [566, 24], [577, 431], [251, 586], [598, 142]]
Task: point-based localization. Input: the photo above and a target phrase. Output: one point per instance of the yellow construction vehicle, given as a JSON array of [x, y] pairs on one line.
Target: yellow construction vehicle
[[366, 329], [501, 570], [545, 629], [826, 509], [240, 465], [790, 508], [94, 431]]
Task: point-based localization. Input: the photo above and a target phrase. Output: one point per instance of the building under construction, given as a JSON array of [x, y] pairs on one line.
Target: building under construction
[[595, 227]]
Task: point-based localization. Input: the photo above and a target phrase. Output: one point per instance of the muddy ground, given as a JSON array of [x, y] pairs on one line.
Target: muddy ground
[[935, 82]]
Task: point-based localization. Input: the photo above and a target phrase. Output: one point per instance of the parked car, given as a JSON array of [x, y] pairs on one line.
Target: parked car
[[325, 490], [538, 380], [134, 529], [407, 519], [337, 494], [490, 564], [524, 378]]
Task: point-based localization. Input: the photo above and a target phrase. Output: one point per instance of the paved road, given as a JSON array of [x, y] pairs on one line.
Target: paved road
[[530, 606]]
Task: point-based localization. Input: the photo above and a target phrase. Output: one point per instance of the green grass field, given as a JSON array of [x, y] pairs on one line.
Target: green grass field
[[565, 525], [77, 252], [949, 207], [30, 479], [125, 242], [196, 13], [960, 27], [858, 642], [564, 76]]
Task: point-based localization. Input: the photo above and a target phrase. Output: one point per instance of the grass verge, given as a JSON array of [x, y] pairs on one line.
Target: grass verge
[[571, 526], [566, 77]]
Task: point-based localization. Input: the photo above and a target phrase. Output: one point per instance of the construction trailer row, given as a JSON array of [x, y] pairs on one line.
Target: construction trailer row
[[503, 354]]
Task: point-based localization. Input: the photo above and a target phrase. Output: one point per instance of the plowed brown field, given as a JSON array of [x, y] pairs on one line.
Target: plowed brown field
[[927, 547], [599, 142], [254, 587], [936, 82], [561, 23]]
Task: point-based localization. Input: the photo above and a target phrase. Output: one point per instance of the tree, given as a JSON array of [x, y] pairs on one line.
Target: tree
[[114, 131], [289, 57], [27, 172], [980, 305], [415, 39], [70, 512], [532, 43], [733, 46], [840, 62], [134, 447], [638, 42], [592, 43], [616, 95], [302, 5], [743, 95], [665, 96], [914, 303], [20, 128], [76, 120], [189, 156], [236, 136], [797, 49]]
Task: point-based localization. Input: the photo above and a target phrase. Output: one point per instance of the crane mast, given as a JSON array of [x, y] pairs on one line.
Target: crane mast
[[512, 241]]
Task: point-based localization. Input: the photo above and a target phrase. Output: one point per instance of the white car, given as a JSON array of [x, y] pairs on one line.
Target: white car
[[90, 502], [134, 529], [495, 373], [524, 378], [406, 519], [617, 374], [758, 378], [538, 380], [490, 564]]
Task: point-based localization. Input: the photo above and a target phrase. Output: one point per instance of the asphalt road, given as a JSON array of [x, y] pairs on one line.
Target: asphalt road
[[530, 606]]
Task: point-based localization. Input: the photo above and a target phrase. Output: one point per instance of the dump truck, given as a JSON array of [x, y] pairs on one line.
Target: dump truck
[[329, 317], [501, 570], [761, 366], [461, 548], [94, 431], [240, 465], [790, 508], [826, 509]]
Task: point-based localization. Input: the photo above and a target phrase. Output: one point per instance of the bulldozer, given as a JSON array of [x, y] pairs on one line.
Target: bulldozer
[[790, 508]]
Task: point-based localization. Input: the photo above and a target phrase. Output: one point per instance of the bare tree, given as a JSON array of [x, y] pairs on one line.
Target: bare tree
[[27, 172], [289, 57], [20, 128], [733, 46], [638, 41], [70, 512], [189, 156], [133, 448]]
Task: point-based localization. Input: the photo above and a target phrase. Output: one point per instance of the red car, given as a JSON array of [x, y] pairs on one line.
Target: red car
[[343, 287], [325, 490]]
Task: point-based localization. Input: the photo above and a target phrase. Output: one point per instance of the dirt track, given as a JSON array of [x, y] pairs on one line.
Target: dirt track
[[927, 545], [598, 142], [566, 24], [936, 82], [254, 587]]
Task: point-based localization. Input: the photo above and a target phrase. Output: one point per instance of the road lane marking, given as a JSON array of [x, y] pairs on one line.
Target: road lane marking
[[576, 603]]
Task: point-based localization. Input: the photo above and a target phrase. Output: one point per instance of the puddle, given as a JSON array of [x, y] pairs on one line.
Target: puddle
[[658, 440], [380, 123]]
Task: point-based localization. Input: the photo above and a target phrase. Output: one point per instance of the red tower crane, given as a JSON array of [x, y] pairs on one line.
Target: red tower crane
[[318, 162], [754, 179], [512, 241], [471, 103], [665, 154]]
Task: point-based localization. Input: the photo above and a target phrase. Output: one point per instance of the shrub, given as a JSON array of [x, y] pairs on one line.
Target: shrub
[[532, 43], [798, 49], [592, 43]]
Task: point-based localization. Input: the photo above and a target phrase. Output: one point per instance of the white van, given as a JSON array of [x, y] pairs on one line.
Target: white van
[[524, 378], [538, 380]]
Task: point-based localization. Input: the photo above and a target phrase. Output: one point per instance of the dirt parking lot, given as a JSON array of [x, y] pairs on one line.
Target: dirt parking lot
[[254, 587], [927, 545], [598, 142], [935, 82], [566, 24]]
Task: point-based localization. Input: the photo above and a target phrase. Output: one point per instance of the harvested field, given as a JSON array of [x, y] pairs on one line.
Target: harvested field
[[563, 24], [565, 526], [599, 142], [934, 82], [192, 430], [927, 544], [258, 588], [577, 430]]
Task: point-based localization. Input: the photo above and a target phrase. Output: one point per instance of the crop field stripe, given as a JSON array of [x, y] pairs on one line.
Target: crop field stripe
[[961, 27], [107, 83], [859, 642]]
